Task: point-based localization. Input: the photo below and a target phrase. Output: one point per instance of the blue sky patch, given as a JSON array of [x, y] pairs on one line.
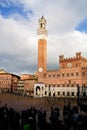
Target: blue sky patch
[[82, 27], [6, 11]]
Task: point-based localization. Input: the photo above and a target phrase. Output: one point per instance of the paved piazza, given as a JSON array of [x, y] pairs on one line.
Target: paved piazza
[[19, 103], [22, 103]]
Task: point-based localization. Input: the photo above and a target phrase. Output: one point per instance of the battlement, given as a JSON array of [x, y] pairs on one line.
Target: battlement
[[77, 57]]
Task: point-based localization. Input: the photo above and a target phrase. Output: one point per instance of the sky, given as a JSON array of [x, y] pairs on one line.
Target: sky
[[66, 25]]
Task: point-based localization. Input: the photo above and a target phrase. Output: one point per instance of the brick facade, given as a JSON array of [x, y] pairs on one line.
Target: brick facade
[[26, 84], [8, 81], [72, 72]]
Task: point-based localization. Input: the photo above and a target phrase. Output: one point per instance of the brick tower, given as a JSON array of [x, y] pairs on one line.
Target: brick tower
[[42, 45]]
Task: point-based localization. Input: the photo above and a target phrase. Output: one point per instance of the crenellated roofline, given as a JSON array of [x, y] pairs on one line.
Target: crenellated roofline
[[78, 57]]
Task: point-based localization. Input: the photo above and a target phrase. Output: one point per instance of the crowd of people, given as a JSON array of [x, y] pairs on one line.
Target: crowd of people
[[36, 119]]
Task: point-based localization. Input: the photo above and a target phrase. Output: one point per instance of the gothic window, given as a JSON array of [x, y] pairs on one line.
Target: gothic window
[[77, 74], [58, 85], [58, 93], [58, 75], [72, 74], [76, 65], [49, 75], [53, 85], [62, 75], [72, 85], [44, 75], [63, 85], [63, 93], [53, 75], [83, 73], [72, 93], [67, 74], [68, 85]]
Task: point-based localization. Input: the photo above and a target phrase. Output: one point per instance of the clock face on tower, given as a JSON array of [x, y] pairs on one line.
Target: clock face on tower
[[40, 69], [69, 65]]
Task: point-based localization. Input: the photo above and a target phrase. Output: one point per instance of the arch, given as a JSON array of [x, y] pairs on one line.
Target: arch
[[38, 90]]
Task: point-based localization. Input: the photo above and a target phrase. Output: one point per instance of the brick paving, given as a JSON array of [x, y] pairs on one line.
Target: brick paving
[[22, 103], [19, 102]]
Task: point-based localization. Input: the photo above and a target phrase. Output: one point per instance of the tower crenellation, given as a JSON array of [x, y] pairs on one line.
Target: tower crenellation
[[61, 57], [78, 56]]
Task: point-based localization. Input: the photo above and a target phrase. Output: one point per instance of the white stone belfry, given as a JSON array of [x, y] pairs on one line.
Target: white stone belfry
[[42, 31]]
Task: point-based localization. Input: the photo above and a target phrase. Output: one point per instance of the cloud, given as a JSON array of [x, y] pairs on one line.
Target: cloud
[[18, 40], [67, 44], [65, 15], [17, 44]]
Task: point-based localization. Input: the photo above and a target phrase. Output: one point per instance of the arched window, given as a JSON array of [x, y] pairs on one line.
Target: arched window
[[38, 90]]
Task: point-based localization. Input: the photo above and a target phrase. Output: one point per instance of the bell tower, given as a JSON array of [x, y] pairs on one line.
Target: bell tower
[[42, 45]]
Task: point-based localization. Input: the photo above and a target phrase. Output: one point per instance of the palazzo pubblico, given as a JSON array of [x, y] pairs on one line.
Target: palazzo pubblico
[[64, 82]]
